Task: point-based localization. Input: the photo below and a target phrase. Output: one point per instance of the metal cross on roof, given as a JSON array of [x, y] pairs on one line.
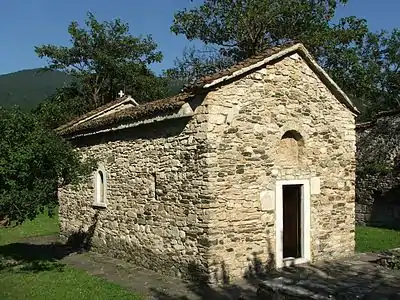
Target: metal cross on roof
[[121, 94]]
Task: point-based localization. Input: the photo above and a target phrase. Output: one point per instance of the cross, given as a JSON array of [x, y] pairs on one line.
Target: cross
[[121, 94]]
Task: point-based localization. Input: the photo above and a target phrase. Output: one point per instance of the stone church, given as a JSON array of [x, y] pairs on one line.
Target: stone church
[[250, 168]]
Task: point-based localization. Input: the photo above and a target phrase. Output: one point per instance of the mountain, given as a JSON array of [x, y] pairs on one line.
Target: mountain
[[27, 88]]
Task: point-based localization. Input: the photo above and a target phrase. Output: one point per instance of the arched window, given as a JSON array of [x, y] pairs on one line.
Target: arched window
[[100, 187], [290, 147]]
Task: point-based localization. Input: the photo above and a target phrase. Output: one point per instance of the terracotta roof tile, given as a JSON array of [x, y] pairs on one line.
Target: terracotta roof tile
[[91, 113], [130, 114], [151, 109], [243, 64]]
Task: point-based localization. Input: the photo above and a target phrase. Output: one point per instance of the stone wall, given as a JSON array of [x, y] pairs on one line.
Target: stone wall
[[157, 193], [378, 176], [187, 192], [248, 119]]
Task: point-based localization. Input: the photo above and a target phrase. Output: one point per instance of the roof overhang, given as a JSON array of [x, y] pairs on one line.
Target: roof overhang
[[128, 111], [184, 112], [100, 112]]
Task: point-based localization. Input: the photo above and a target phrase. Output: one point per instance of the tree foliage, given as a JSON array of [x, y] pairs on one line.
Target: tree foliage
[[365, 64], [65, 104], [243, 27], [34, 162], [103, 58], [369, 70], [196, 63]]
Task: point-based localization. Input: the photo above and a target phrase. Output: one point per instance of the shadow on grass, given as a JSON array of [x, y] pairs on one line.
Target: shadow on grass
[[44, 253], [334, 280], [31, 257]]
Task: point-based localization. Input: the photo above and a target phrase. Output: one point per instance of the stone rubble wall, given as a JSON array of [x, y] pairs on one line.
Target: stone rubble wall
[[185, 195], [157, 193], [247, 119], [378, 172]]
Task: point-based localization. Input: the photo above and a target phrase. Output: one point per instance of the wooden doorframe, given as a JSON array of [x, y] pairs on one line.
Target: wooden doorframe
[[305, 221]]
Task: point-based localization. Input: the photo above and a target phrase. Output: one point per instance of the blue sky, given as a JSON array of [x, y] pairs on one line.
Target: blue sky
[[27, 23]]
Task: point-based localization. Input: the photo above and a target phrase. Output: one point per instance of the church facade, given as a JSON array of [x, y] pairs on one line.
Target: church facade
[[250, 167]]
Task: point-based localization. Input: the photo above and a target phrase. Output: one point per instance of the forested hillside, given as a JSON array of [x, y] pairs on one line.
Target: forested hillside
[[27, 88]]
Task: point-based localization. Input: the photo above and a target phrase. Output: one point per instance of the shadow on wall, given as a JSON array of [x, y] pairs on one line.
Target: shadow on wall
[[378, 172], [82, 240], [330, 280]]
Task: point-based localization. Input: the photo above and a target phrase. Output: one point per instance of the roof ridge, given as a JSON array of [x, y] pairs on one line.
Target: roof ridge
[[379, 115], [206, 83], [256, 57], [143, 110], [94, 112]]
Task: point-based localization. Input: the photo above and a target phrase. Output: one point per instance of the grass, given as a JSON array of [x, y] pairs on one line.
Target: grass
[[67, 283], [42, 225], [51, 280], [24, 278], [372, 239], [55, 284]]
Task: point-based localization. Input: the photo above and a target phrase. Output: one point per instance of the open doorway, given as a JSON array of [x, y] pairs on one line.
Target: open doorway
[[292, 221]]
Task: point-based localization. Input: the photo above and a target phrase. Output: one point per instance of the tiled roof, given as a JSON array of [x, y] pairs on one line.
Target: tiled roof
[[127, 115], [91, 113], [153, 108], [239, 66]]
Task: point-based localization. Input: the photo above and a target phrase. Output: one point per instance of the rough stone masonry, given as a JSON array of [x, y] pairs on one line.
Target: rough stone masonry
[[195, 196], [378, 176]]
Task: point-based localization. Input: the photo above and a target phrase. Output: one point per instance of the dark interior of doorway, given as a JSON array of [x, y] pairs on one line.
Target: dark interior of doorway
[[292, 221]]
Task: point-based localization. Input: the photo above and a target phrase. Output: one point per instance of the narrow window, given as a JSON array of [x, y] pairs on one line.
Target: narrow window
[[100, 188]]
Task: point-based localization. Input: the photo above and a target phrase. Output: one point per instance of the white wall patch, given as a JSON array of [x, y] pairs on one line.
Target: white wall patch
[[267, 200], [315, 183]]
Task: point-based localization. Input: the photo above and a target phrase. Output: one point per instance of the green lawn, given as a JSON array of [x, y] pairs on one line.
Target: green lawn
[[67, 283], [372, 239], [23, 278], [42, 225], [28, 279]]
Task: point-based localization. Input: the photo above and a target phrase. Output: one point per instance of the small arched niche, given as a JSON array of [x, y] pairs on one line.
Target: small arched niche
[[290, 147]]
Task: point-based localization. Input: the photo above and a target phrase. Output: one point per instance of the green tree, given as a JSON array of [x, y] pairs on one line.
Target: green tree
[[369, 71], [104, 58], [243, 27], [365, 64], [65, 104], [196, 63], [34, 162]]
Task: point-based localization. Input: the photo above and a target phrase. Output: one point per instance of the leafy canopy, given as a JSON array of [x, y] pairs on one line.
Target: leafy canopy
[[103, 58], [369, 71], [243, 27], [34, 161], [364, 64]]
